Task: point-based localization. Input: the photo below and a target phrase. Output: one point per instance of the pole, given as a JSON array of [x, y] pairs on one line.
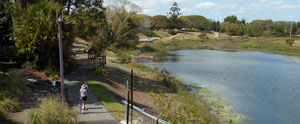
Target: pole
[[60, 21], [131, 95], [127, 98]]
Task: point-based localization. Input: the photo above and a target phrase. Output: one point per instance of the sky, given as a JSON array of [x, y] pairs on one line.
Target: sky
[[277, 10]]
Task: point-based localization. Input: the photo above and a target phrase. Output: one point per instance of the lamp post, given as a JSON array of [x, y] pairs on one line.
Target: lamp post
[[62, 91]]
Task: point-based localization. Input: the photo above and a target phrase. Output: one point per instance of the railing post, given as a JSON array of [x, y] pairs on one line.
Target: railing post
[[143, 116], [126, 106]]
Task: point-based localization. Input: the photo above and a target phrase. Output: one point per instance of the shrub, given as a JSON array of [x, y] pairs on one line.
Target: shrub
[[52, 111], [11, 85], [172, 32], [29, 64], [123, 58], [290, 41], [51, 72], [101, 70], [70, 64], [167, 81], [203, 35], [9, 105], [150, 33], [3, 115]]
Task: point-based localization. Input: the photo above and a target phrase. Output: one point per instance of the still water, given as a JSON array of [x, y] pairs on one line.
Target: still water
[[264, 87]]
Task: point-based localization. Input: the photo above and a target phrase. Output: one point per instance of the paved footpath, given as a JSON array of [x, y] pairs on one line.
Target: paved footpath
[[96, 113]]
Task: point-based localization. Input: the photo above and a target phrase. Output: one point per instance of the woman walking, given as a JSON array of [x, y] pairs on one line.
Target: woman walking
[[83, 97]]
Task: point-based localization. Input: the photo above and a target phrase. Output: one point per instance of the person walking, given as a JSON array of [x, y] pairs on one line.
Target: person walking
[[83, 97]]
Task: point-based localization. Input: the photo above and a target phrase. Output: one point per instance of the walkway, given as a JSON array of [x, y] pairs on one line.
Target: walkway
[[96, 113]]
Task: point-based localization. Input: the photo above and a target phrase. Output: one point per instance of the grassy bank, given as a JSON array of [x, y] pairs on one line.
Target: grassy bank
[[110, 103], [273, 44], [10, 91]]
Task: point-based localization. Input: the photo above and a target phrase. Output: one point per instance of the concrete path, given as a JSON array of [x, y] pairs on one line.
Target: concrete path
[[96, 113]]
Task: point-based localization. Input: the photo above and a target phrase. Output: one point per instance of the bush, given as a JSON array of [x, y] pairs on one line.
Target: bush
[[70, 64], [3, 115], [30, 65], [172, 32], [167, 81], [150, 33], [101, 70], [11, 85], [9, 105], [203, 35], [290, 41], [52, 111], [10, 90], [52, 72], [123, 58]]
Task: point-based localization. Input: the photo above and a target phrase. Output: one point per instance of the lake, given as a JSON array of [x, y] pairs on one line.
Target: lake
[[265, 87]]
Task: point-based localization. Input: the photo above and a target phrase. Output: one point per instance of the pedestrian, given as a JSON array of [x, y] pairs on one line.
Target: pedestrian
[[83, 96], [53, 83]]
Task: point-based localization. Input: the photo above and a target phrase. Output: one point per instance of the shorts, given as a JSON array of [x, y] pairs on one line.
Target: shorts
[[84, 98]]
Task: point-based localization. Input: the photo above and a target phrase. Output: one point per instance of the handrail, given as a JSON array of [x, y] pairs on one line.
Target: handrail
[[143, 112]]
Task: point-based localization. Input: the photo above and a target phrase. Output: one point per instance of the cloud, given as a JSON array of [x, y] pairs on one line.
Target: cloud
[[186, 10], [146, 3], [147, 11], [235, 0], [205, 5], [273, 5], [178, 1]]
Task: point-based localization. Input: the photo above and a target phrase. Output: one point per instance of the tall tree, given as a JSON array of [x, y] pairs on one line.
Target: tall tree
[[173, 17], [7, 45], [120, 16], [36, 35]]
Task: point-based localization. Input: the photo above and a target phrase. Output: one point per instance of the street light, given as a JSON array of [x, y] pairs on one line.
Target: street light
[[62, 91]]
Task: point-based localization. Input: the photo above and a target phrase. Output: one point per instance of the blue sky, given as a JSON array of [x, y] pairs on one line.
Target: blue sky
[[285, 10]]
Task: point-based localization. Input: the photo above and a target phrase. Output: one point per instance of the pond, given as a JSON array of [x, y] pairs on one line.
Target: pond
[[265, 87]]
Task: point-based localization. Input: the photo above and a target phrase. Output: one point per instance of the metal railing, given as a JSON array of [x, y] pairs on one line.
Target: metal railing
[[141, 117]]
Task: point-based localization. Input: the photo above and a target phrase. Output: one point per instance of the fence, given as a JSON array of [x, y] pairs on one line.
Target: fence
[[141, 117]]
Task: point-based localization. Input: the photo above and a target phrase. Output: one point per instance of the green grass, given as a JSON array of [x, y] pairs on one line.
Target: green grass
[[110, 103]]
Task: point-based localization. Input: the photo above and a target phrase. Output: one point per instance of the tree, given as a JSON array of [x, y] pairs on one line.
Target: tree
[[7, 44], [298, 31], [120, 17], [196, 21], [231, 19], [36, 35], [159, 22], [232, 28], [173, 16], [259, 27]]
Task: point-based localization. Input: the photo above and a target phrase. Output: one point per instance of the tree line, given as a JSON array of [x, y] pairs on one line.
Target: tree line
[[29, 28], [231, 24]]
